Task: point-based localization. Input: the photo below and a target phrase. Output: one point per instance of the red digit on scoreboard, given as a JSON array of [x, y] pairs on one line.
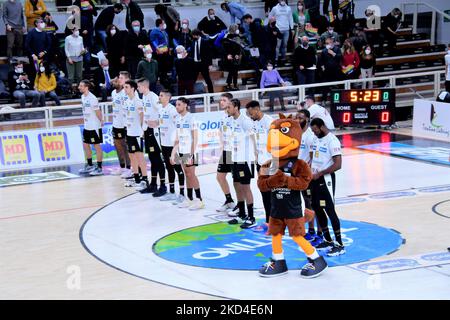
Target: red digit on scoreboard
[[346, 117], [385, 117]]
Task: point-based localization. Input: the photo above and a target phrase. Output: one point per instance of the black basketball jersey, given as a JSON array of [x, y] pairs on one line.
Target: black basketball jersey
[[286, 203]]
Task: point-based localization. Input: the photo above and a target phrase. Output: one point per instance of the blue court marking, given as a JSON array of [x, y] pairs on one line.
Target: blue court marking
[[435, 189]]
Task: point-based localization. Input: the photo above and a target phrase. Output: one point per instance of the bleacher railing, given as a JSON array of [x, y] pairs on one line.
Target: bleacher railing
[[297, 93]]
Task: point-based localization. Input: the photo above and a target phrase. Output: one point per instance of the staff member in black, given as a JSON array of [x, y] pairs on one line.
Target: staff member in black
[[201, 53]]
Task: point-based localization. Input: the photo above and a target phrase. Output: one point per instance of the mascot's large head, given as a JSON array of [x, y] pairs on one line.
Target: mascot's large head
[[285, 136]]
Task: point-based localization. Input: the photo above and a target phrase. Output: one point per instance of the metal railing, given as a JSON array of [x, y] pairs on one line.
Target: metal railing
[[297, 93]]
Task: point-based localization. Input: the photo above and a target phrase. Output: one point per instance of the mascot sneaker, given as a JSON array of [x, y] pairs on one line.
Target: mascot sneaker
[[336, 250], [317, 240], [273, 268], [314, 268]]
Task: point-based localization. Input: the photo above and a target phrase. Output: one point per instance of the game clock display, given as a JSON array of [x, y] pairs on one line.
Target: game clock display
[[363, 106]]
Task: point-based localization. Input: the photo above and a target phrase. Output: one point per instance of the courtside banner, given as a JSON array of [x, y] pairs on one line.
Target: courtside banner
[[431, 119], [208, 124], [40, 148]]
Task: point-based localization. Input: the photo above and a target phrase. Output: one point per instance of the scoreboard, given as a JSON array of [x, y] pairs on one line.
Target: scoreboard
[[363, 106]]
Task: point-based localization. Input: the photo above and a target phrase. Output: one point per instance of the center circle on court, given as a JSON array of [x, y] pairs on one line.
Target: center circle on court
[[224, 246]]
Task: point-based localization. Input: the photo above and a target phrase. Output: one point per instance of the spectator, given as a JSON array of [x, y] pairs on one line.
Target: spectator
[[21, 87], [268, 6], [88, 11], [233, 56], [273, 34], [135, 41], [37, 43], [201, 53], [50, 29], [271, 79], [359, 40], [15, 26], [389, 27], [259, 39], [285, 23], [183, 36], [330, 33], [301, 15], [211, 24], [159, 40], [115, 47], [313, 7], [103, 77], [45, 84], [33, 10], [236, 10], [185, 67], [367, 64], [330, 65], [105, 19], [346, 18], [134, 13], [317, 111], [372, 33], [171, 17], [148, 68], [334, 8], [304, 62], [350, 60], [74, 49], [247, 21]]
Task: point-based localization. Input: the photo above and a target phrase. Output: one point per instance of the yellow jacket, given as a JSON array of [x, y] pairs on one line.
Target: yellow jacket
[[33, 15], [43, 83]]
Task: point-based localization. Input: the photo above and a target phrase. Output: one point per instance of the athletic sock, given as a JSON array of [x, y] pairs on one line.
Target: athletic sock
[[241, 207], [250, 210], [162, 182], [171, 188], [182, 191], [198, 194], [89, 162], [128, 167], [337, 235], [189, 194], [144, 178], [122, 165], [136, 178], [311, 230], [326, 235], [99, 164], [320, 233], [228, 198], [153, 181]]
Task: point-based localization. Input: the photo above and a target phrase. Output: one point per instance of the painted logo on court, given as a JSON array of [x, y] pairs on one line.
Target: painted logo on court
[[224, 246]]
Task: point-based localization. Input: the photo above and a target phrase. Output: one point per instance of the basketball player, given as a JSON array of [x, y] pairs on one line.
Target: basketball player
[[243, 156], [92, 132], [119, 132], [167, 128], [261, 128], [327, 159], [185, 151], [151, 137], [225, 163], [134, 109]]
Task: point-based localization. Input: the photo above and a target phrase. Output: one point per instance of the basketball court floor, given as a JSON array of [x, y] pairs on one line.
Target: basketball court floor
[[67, 237]]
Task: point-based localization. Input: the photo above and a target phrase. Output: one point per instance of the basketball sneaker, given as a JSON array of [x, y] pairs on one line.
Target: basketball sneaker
[[336, 250], [226, 207], [237, 220], [179, 199], [161, 192], [116, 172], [130, 184], [273, 268], [87, 169], [168, 197], [317, 240], [96, 172], [249, 223], [310, 236], [126, 174], [185, 204], [313, 268], [141, 186], [262, 227], [150, 189], [234, 212], [197, 204], [324, 245]]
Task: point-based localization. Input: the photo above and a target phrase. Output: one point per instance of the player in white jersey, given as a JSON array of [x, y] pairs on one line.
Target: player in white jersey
[[134, 109], [151, 137], [317, 111], [327, 159], [167, 129], [225, 163], [261, 128], [185, 153], [119, 131], [305, 154], [243, 155], [92, 132]]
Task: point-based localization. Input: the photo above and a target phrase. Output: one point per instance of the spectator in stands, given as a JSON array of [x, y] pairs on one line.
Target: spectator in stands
[[148, 68], [247, 20], [134, 13], [103, 77], [236, 11], [15, 26], [345, 21], [211, 24], [304, 61], [105, 19], [171, 17], [135, 40], [330, 33], [330, 65], [367, 64], [45, 84], [37, 43], [74, 49], [233, 56], [159, 39], [372, 33], [350, 60], [285, 23], [268, 6], [259, 39], [334, 8], [21, 86], [301, 18], [389, 27], [50, 29], [183, 36], [447, 69], [359, 40], [88, 11], [33, 10], [313, 7], [202, 55], [271, 79], [115, 47], [185, 67], [273, 35]]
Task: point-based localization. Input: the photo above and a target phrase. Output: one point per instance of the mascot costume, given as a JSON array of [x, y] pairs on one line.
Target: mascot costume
[[285, 176]]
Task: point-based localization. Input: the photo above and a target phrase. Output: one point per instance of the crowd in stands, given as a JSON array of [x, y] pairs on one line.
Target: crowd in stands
[[326, 45]]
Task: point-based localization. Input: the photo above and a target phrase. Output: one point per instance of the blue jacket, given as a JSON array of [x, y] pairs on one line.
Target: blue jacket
[[158, 38], [236, 11]]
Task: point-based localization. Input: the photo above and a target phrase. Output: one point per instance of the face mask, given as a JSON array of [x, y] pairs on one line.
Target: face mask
[[237, 31], [76, 33], [106, 68], [113, 31], [212, 17], [270, 68], [42, 25], [41, 69], [330, 30], [368, 51], [164, 26], [179, 55], [300, 8], [148, 56], [282, 3], [136, 29], [305, 44], [19, 70], [329, 46], [396, 16], [184, 26]]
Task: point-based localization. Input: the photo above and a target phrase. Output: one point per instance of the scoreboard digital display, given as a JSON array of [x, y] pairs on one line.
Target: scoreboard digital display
[[363, 106]]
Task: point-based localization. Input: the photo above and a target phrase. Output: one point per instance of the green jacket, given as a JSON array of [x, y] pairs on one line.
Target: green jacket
[[148, 70]]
